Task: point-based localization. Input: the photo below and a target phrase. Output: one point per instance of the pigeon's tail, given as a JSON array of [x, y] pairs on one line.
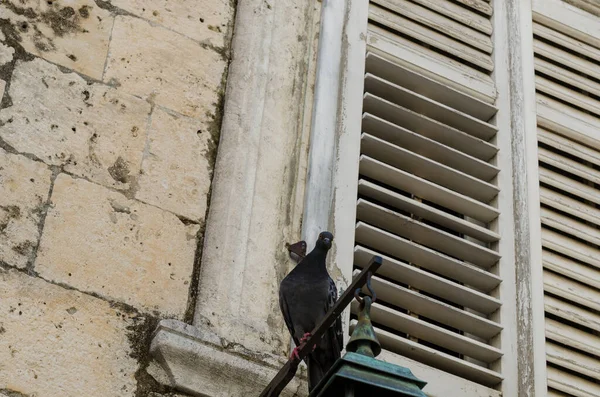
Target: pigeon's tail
[[322, 359], [316, 371]]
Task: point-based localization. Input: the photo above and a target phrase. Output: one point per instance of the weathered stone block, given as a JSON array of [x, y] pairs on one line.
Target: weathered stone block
[[99, 241], [164, 67], [92, 130], [6, 54], [176, 170], [207, 24], [24, 188], [71, 33], [59, 342]]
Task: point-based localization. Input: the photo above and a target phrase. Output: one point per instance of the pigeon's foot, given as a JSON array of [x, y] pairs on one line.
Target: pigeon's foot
[[305, 337], [295, 354], [303, 341]]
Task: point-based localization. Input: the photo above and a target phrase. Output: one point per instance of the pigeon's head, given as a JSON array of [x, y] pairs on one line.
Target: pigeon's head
[[324, 241]]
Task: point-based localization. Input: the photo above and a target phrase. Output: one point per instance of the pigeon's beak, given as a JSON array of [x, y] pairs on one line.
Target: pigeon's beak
[[327, 241]]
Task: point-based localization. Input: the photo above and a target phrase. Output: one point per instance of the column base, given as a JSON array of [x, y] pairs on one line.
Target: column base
[[199, 362]]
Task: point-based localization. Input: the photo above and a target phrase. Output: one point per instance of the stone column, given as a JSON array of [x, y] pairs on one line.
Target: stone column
[[253, 210], [238, 339]]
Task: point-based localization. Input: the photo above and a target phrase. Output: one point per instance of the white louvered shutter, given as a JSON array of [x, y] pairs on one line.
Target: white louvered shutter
[[426, 187], [567, 65]]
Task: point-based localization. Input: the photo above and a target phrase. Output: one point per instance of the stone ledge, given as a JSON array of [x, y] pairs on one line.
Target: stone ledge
[[199, 362]]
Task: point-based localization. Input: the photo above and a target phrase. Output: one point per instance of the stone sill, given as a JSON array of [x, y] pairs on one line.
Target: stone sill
[[199, 362]]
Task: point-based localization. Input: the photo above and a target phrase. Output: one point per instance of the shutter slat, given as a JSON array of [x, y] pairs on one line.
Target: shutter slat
[[434, 309], [566, 184], [571, 384], [572, 291], [591, 6], [479, 5], [570, 226], [449, 45], [438, 67], [429, 148], [576, 271], [404, 323], [460, 14], [403, 249], [407, 274], [435, 358], [569, 205], [555, 393], [434, 90], [425, 211], [426, 235], [567, 121], [568, 95], [425, 106], [568, 146], [567, 76], [564, 58], [572, 313], [426, 190], [566, 41], [562, 17], [447, 26], [566, 164], [429, 128], [570, 247], [574, 361], [572, 337], [428, 169]]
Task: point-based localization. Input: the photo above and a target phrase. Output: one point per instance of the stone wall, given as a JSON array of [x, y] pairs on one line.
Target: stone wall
[[109, 125]]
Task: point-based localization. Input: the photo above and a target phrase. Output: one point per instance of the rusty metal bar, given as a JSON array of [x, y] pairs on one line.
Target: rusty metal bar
[[287, 372]]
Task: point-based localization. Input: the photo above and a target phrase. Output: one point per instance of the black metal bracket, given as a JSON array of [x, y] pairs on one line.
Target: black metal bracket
[[297, 251], [287, 372]]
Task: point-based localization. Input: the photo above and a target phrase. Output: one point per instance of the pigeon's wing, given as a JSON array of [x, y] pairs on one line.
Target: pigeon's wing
[[285, 311], [330, 346], [337, 326]]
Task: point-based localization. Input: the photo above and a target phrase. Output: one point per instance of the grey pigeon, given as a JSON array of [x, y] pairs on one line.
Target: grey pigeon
[[305, 296]]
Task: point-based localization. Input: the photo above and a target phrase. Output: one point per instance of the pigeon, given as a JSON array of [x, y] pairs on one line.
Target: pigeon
[[305, 295]]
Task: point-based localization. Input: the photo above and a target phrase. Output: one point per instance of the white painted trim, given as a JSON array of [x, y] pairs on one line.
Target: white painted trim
[[523, 341], [504, 225], [319, 184], [348, 148]]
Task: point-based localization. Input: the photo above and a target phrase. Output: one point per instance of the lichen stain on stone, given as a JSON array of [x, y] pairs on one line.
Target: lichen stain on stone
[[140, 336], [84, 11], [62, 21], [10, 212], [25, 248], [91, 149], [119, 171], [13, 393]]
